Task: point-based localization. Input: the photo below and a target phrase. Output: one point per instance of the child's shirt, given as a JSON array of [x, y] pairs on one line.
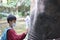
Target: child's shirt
[[12, 35]]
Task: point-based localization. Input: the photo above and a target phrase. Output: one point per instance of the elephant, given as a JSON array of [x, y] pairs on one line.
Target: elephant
[[45, 20]]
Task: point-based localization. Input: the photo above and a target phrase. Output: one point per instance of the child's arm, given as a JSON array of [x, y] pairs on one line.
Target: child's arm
[[12, 35], [22, 36]]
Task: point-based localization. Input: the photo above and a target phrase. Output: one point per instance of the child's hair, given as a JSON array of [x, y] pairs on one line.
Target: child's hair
[[10, 18]]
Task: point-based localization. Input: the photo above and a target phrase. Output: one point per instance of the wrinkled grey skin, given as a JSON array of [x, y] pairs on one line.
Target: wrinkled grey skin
[[45, 21]]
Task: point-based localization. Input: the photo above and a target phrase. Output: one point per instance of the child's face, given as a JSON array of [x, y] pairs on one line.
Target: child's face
[[12, 23]]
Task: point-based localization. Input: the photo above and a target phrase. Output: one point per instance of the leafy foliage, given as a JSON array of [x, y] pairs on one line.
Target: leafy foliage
[[27, 2], [24, 7]]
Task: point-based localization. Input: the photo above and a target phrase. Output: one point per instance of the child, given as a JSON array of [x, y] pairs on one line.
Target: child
[[11, 34]]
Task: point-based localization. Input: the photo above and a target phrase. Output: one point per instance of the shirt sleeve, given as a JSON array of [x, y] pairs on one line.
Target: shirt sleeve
[[13, 36], [22, 36]]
